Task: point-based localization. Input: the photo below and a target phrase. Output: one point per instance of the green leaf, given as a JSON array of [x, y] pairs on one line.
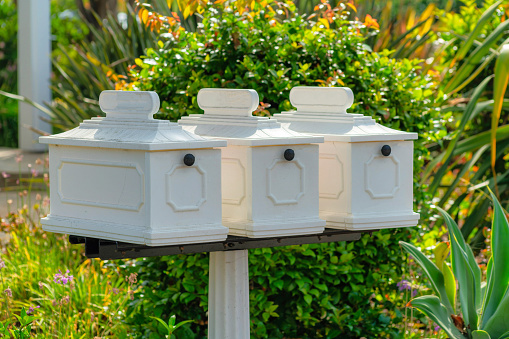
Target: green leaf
[[499, 89], [504, 336], [441, 252], [466, 271], [497, 324], [430, 305], [498, 278], [450, 285], [308, 299], [279, 284], [432, 272], [162, 322], [480, 334]]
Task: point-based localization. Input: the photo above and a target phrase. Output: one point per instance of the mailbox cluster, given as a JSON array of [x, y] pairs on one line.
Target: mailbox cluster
[[128, 177]]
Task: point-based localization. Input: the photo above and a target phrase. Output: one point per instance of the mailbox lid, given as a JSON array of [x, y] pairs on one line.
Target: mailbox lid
[[228, 115], [129, 124], [322, 111]]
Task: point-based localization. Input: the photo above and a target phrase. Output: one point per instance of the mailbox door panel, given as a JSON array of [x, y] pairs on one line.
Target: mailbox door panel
[[184, 195], [383, 184], [285, 189]]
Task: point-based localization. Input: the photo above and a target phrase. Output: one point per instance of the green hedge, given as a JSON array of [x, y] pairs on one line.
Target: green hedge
[[331, 290], [8, 123]]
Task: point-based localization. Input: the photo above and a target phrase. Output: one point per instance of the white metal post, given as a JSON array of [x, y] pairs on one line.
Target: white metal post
[[34, 69], [229, 295]]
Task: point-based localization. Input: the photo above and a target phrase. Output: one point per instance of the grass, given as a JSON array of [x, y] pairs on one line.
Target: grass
[[69, 295]]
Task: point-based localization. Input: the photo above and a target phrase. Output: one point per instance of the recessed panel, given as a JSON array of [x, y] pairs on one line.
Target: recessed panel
[[186, 188], [233, 181], [101, 184], [381, 176], [285, 182], [331, 176]]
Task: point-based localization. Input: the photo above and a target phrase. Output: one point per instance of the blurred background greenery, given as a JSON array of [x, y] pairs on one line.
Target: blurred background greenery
[[422, 66]]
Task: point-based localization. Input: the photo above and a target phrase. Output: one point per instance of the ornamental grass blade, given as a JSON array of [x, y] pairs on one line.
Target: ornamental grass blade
[[466, 271], [432, 272], [483, 20], [499, 89], [430, 305], [462, 73], [452, 145], [477, 55], [504, 336], [499, 276], [480, 334]]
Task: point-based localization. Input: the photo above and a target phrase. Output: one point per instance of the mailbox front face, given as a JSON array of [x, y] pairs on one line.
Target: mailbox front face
[[265, 194], [185, 194], [134, 196], [90, 188], [360, 188]]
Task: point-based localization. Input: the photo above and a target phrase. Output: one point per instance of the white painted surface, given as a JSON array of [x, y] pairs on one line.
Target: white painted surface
[[123, 178], [228, 295], [359, 187], [34, 70], [263, 193]]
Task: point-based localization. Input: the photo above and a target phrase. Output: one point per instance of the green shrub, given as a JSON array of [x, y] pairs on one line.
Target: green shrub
[[9, 123], [330, 290]]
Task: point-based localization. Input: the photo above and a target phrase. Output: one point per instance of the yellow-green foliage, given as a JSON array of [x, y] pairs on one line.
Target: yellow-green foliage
[[91, 304]]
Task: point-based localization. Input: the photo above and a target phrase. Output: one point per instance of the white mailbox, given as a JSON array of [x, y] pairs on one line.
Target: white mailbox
[[366, 179], [131, 178], [269, 174]]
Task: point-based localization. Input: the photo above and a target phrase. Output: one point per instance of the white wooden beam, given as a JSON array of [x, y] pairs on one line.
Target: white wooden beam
[[34, 69], [229, 295]]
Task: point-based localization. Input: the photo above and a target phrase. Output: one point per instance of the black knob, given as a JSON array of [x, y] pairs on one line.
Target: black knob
[[289, 154], [189, 159], [386, 150]]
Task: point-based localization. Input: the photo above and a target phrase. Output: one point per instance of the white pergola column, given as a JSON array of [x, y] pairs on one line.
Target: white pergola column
[[34, 69], [228, 295]]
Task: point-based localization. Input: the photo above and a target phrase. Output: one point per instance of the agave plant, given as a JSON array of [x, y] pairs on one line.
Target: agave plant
[[484, 305]]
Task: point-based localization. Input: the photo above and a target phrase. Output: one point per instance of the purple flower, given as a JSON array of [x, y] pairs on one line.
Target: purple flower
[[404, 285], [31, 309], [2, 264], [437, 328], [8, 292], [414, 292], [5, 175], [62, 278]]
